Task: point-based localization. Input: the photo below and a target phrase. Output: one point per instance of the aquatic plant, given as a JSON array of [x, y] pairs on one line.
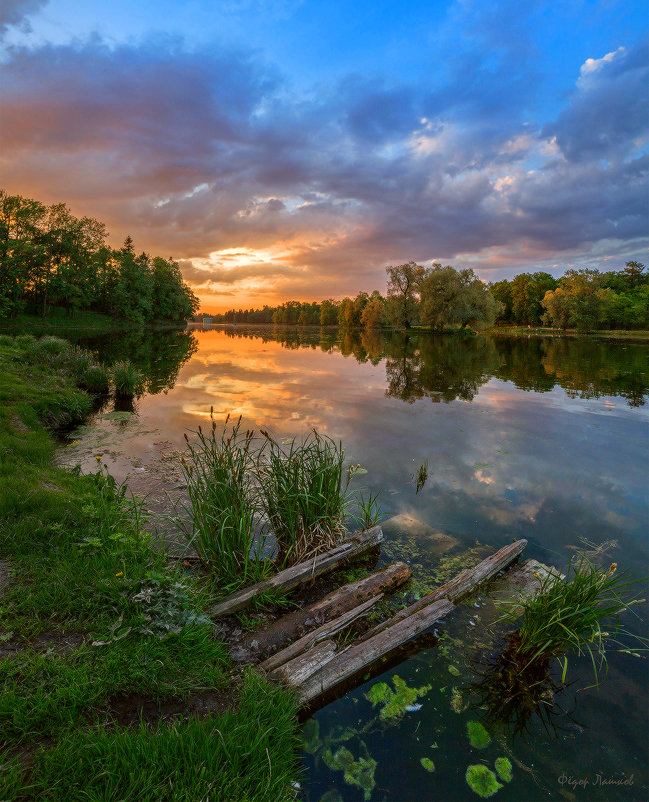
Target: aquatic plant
[[128, 380], [95, 379], [482, 780], [356, 772], [456, 701], [217, 470], [566, 615], [394, 703], [504, 769], [422, 475], [303, 493], [427, 763], [370, 512], [478, 735], [311, 736], [454, 671]]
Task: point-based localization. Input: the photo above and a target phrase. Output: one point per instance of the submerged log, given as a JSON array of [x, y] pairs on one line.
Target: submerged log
[[325, 631], [354, 659], [462, 585], [299, 622], [398, 630], [302, 573]]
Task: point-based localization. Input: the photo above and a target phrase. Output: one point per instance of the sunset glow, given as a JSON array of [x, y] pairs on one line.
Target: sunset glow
[[284, 149]]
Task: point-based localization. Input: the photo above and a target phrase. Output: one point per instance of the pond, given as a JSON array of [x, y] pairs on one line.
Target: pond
[[537, 438]]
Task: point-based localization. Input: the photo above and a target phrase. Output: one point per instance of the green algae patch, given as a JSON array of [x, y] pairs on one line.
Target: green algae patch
[[454, 671], [482, 781], [311, 736], [478, 736], [356, 772], [394, 703], [118, 415], [427, 763], [504, 769]]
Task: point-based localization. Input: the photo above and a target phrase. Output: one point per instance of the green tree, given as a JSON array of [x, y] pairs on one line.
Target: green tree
[[373, 315], [403, 293]]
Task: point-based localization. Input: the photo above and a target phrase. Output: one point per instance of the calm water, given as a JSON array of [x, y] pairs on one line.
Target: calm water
[[542, 439]]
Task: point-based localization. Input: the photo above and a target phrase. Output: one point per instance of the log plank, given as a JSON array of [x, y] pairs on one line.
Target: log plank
[[302, 573]]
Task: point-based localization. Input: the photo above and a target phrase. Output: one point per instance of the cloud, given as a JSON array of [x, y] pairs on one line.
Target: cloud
[[15, 12], [211, 156]]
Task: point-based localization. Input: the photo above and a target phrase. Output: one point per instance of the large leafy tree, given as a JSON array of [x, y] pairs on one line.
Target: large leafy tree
[[403, 293]]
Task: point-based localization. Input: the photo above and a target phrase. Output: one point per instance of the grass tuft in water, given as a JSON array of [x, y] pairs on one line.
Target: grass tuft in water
[[303, 494], [218, 474], [567, 613], [128, 380]]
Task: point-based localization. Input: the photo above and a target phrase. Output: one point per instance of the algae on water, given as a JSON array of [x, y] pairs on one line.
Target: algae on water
[[504, 769], [356, 772], [478, 736], [311, 736], [395, 703], [482, 781], [427, 763]]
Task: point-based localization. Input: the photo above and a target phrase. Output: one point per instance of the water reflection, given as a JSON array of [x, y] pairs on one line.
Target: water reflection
[[445, 368]]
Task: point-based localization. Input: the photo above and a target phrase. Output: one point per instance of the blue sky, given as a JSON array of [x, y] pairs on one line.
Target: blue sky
[[293, 149]]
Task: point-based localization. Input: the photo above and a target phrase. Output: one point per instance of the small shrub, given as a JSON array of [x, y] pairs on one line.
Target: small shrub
[[128, 380], [52, 346]]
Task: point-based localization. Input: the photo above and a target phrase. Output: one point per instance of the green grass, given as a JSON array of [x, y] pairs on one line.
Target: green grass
[[128, 380], [82, 562], [303, 493], [59, 321], [577, 614], [218, 473]]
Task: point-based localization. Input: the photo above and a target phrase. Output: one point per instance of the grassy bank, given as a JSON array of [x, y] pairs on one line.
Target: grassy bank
[[96, 627], [607, 334]]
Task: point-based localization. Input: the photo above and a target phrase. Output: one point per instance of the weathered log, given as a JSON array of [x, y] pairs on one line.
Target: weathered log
[[402, 627], [462, 585], [304, 572], [359, 656], [299, 622], [325, 631], [297, 671]]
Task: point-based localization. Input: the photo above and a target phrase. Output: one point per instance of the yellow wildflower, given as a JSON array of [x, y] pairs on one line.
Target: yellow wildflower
[[613, 568], [120, 573], [97, 457]]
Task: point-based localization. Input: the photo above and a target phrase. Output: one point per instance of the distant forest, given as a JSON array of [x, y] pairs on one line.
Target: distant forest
[[442, 297], [51, 260]]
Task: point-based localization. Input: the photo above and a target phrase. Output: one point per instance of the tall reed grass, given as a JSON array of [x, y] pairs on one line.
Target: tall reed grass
[[128, 380], [218, 470], [578, 614], [302, 489]]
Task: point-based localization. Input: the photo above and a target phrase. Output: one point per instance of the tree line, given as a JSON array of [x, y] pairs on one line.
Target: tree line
[[50, 259], [441, 297]]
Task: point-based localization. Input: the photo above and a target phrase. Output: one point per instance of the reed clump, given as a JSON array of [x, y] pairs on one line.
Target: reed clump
[[218, 470], [574, 614], [248, 493], [128, 380], [303, 494]]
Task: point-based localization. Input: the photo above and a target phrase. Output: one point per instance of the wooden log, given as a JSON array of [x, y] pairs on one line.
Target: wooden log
[[297, 671], [462, 585], [355, 658], [402, 627], [325, 631], [303, 572], [299, 622]]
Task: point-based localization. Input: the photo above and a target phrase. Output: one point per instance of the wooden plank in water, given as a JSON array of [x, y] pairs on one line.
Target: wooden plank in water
[[304, 572], [325, 631], [299, 622]]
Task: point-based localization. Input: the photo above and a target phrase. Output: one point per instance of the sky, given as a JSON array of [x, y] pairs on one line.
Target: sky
[[293, 148]]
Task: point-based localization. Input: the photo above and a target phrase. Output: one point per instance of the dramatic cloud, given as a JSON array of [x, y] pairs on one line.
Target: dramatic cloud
[[14, 12], [210, 155]]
